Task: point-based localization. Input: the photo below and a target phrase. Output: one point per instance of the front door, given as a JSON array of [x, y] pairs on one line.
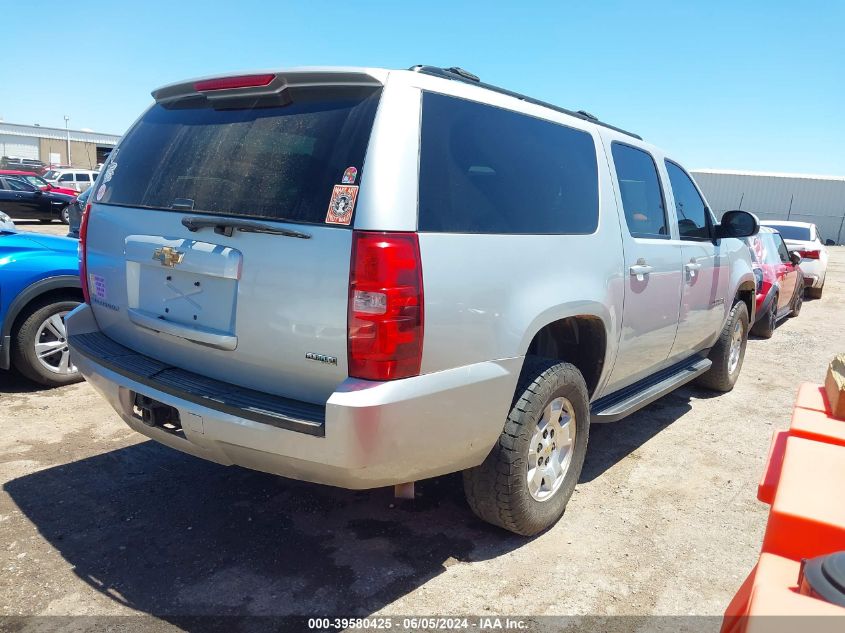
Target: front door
[[787, 274], [20, 199], [705, 271], [652, 273]]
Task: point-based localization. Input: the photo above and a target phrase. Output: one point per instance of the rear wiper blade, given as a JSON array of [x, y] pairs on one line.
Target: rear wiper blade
[[227, 227]]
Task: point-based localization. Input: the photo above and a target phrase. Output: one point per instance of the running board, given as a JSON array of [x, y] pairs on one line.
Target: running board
[[619, 405]]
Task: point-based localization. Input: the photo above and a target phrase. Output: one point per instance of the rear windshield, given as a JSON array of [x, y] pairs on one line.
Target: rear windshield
[[790, 232], [488, 170], [279, 162]]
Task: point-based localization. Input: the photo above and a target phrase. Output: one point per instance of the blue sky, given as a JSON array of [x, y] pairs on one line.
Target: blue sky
[[735, 85]]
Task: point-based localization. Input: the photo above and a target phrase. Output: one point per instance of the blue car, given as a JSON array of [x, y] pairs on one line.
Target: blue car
[[39, 285]]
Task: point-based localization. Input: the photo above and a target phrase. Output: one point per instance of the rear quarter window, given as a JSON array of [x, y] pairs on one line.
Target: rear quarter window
[[488, 170], [278, 162]]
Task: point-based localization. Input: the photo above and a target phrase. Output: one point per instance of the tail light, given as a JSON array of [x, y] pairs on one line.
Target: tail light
[[83, 252], [385, 306], [816, 254]]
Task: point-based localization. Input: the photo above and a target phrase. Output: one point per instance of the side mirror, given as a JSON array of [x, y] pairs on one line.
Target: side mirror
[[829, 243], [38, 192], [737, 224], [795, 257]]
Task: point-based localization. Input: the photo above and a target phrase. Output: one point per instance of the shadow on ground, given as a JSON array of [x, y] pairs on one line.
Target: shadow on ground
[[170, 535], [12, 382], [612, 442]]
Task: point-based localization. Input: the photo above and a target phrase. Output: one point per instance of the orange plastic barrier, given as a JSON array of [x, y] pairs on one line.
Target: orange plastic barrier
[[813, 397], [807, 518], [771, 589], [804, 482], [817, 426]]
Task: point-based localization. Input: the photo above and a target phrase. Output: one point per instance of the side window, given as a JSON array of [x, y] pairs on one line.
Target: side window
[[783, 252], [83, 178], [690, 208], [66, 178], [488, 170], [639, 186], [19, 185]]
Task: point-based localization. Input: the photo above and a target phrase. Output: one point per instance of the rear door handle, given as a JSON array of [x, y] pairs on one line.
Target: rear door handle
[[692, 268], [640, 269]]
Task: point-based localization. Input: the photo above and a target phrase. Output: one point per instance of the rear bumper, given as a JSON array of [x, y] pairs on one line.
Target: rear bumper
[[813, 272], [374, 434]]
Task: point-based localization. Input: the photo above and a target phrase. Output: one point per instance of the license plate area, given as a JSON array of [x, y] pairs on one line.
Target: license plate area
[[185, 283]]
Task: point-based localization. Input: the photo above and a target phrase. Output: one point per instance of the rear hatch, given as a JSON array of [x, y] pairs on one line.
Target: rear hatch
[[211, 246]]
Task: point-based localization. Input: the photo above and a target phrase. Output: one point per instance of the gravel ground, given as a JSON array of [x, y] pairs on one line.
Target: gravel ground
[[96, 520]]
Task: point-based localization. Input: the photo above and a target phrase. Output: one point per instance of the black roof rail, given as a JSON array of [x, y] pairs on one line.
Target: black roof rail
[[459, 74]]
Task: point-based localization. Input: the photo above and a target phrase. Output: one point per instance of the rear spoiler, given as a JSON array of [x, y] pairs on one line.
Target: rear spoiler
[[268, 83]]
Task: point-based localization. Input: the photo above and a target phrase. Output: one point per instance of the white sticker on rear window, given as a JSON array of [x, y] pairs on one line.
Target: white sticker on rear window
[[101, 192], [97, 285]]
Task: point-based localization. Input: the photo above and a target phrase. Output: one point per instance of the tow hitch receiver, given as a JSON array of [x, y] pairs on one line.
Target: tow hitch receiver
[[156, 414]]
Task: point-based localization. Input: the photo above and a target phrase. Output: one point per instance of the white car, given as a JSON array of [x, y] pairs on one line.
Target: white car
[[804, 238], [76, 179], [6, 223]]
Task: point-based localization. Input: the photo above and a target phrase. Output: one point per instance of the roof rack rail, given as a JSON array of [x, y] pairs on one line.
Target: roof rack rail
[[459, 74]]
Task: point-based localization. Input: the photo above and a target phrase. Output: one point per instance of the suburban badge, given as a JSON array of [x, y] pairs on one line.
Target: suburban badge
[[328, 360]]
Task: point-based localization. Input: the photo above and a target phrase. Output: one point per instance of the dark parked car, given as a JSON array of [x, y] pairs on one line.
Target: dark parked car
[[74, 212], [24, 201]]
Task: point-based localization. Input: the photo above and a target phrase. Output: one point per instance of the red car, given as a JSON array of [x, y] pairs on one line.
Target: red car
[[780, 284], [38, 181]]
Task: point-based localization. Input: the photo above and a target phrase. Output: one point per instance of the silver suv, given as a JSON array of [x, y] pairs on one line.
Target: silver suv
[[363, 277]]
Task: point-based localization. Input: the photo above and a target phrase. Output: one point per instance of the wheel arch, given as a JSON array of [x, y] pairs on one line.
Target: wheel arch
[[746, 292], [579, 339], [50, 286]]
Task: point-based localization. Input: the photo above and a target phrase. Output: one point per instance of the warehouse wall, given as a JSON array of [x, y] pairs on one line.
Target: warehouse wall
[[83, 155], [817, 200]]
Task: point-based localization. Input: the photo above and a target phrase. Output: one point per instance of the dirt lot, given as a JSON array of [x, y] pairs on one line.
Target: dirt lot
[[96, 520]]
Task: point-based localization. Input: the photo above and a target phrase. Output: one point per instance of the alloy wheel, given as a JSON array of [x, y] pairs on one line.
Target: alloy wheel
[[551, 449], [51, 347]]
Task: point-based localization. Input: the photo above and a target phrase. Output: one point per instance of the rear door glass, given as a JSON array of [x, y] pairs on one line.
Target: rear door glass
[[639, 187], [279, 162]]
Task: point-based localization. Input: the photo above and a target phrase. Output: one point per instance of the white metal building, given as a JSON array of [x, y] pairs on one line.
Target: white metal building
[[50, 145], [798, 197]]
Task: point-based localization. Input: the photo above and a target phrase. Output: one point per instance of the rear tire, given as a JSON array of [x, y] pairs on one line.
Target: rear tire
[[815, 293], [765, 327], [510, 488], [35, 330], [728, 352]]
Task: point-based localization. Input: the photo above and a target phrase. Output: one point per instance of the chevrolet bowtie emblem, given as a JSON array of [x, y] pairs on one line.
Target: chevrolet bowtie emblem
[[168, 256]]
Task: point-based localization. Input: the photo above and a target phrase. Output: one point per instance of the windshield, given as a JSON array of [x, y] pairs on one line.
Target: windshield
[[35, 180], [279, 162], [51, 175], [790, 232]]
